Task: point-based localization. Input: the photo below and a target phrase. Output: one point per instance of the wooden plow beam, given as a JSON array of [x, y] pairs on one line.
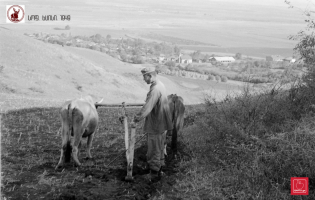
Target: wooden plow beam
[[129, 137], [120, 105]]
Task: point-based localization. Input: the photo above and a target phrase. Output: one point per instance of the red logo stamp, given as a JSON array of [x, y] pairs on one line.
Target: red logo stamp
[[299, 185], [15, 14]]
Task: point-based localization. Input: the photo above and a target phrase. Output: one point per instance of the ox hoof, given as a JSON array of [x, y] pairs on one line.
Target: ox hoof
[[58, 167], [129, 179], [77, 164]]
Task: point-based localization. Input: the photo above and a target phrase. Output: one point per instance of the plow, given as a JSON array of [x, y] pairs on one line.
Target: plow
[[130, 136]]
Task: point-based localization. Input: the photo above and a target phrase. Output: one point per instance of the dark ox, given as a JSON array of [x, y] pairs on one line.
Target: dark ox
[[79, 119], [177, 108]]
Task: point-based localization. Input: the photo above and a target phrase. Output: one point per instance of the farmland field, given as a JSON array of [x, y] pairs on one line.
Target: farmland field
[[30, 149], [259, 52]]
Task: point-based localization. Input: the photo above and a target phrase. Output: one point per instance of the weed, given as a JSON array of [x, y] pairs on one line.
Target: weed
[[248, 147]]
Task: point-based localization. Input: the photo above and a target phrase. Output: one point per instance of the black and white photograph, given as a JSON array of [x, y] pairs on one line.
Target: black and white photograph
[[158, 100]]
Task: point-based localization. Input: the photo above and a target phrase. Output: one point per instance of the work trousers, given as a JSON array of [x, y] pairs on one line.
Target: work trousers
[[155, 153]]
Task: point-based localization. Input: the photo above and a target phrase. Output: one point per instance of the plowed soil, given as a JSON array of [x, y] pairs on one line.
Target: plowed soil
[[30, 150]]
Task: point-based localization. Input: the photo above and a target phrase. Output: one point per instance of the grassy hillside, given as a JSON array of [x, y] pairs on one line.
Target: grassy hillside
[[31, 69], [248, 147]]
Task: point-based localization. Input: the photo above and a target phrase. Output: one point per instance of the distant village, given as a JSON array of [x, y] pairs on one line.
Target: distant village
[[168, 58]]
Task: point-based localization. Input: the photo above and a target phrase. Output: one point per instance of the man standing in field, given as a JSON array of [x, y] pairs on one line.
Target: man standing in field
[[157, 121]]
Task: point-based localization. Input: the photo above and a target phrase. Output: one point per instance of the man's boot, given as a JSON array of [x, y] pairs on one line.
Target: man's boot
[[161, 173], [153, 176]]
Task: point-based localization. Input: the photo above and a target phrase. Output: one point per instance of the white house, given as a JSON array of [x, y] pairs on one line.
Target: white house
[[161, 58], [289, 59], [222, 59], [185, 59]]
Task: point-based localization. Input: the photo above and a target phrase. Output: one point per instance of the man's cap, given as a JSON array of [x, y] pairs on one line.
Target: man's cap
[[148, 70]]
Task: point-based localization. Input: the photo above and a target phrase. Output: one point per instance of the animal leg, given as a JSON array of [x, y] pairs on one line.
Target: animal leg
[[165, 143], [89, 145], [174, 141], [80, 144], [76, 141], [64, 147]]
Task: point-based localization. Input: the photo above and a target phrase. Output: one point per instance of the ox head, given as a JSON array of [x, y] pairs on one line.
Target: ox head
[[172, 97], [96, 103], [91, 101]]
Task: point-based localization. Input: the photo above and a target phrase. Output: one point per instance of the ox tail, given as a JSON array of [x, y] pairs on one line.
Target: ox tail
[[174, 132], [70, 118], [67, 150], [68, 147]]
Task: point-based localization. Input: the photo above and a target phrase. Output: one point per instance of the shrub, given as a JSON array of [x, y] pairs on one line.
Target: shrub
[[252, 144], [218, 78], [170, 64], [224, 79], [211, 77], [137, 60], [162, 69]]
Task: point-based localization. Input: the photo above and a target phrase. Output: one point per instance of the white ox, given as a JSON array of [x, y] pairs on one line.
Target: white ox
[[79, 119]]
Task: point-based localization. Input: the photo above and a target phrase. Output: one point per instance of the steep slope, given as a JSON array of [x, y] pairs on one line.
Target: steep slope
[[34, 68]]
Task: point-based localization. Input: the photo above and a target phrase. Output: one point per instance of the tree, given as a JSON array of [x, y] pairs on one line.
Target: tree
[[138, 43], [224, 79], [211, 77], [196, 55], [97, 38], [151, 51], [269, 58], [123, 56], [137, 60], [176, 50], [157, 49], [63, 35], [136, 52], [238, 56], [108, 38], [206, 58], [190, 67], [170, 64], [217, 78], [256, 63], [305, 47]]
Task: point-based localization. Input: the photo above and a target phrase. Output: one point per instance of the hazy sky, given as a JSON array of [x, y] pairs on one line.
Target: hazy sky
[[222, 22]]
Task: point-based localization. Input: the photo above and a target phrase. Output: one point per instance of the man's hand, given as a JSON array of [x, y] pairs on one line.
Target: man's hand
[[136, 119]]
